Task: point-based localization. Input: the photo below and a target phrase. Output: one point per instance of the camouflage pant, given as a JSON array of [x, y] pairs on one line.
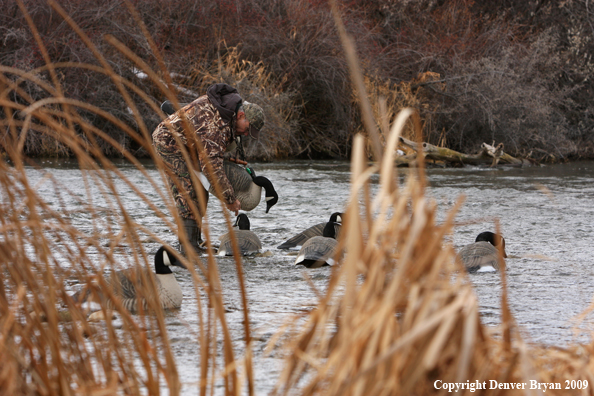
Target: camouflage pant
[[186, 197]]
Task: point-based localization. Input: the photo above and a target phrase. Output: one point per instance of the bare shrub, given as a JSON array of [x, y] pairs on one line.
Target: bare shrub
[[81, 76], [302, 53], [512, 71], [543, 48], [510, 99]]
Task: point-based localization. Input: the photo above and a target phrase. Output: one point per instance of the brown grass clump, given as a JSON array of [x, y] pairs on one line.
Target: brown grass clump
[[400, 315], [388, 98], [48, 345]]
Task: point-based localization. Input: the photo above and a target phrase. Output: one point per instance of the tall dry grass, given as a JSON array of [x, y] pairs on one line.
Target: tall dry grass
[[47, 343], [400, 315]]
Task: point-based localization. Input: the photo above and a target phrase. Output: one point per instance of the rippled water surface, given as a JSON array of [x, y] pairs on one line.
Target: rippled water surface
[[546, 215]]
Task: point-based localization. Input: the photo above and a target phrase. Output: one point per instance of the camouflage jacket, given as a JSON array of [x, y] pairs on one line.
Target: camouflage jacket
[[211, 119]]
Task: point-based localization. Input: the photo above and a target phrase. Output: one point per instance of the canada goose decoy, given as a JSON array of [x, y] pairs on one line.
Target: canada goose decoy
[[318, 250], [246, 185], [168, 109], [125, 282], [316, 230], [247, 241], [483, 254]]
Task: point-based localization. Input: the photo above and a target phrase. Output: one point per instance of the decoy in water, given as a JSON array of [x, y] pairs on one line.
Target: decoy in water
[[124, 284], [247, 241], [246, 185], [316, 230], [483, 254], [318, 250]]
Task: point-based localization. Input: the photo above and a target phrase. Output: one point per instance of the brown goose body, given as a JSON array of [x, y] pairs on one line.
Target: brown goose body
[[129, 286], [479, 255], [246, 191], [247, 188], [247, 241], [126, 282], [316, 252], [316, 230], [483, 254], [319, 251]]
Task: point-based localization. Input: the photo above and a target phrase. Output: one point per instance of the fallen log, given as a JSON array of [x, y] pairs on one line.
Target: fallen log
[[488, 155]]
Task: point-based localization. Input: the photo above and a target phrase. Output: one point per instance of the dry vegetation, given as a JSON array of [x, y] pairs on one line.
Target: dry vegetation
[[397, 315], [515, 72]]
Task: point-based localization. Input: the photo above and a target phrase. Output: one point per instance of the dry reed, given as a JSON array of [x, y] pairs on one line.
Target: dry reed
[[47, 343], [400, 315]]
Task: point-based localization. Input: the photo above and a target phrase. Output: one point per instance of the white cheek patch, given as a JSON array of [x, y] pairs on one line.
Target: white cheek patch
[[338, 219], [269, 198], [166, 260]]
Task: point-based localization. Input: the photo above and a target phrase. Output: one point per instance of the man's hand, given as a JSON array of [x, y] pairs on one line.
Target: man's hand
[[234, 207]]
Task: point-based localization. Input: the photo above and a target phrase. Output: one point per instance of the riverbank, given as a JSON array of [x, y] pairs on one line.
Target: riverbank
[[521, 77]]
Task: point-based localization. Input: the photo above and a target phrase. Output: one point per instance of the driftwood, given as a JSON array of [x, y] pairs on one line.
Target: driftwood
[[488, 155]]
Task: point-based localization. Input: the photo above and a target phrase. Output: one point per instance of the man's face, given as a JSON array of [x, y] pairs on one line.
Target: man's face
[[243, 125]]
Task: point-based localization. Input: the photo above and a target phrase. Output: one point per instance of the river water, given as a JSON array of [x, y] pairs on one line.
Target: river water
[[546, 215]]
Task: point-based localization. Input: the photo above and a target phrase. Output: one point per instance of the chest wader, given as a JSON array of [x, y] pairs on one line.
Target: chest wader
[[194, 234], [191, 226]]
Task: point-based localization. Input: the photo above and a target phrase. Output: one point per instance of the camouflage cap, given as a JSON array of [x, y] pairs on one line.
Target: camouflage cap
[[255, 116]]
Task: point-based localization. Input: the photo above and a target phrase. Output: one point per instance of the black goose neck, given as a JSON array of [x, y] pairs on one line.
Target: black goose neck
[[160, 267]]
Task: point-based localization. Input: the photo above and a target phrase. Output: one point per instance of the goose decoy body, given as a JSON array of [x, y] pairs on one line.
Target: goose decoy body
[[483, 254], [247, 241], [318, 250], [246, 185], [316, 230], [125, 283]]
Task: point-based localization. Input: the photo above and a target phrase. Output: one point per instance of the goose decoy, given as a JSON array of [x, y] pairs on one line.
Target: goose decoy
[[316, 230], [483, 254], [124, 284], [168, 109], [247, 186], [318, 250], [247, 241]]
